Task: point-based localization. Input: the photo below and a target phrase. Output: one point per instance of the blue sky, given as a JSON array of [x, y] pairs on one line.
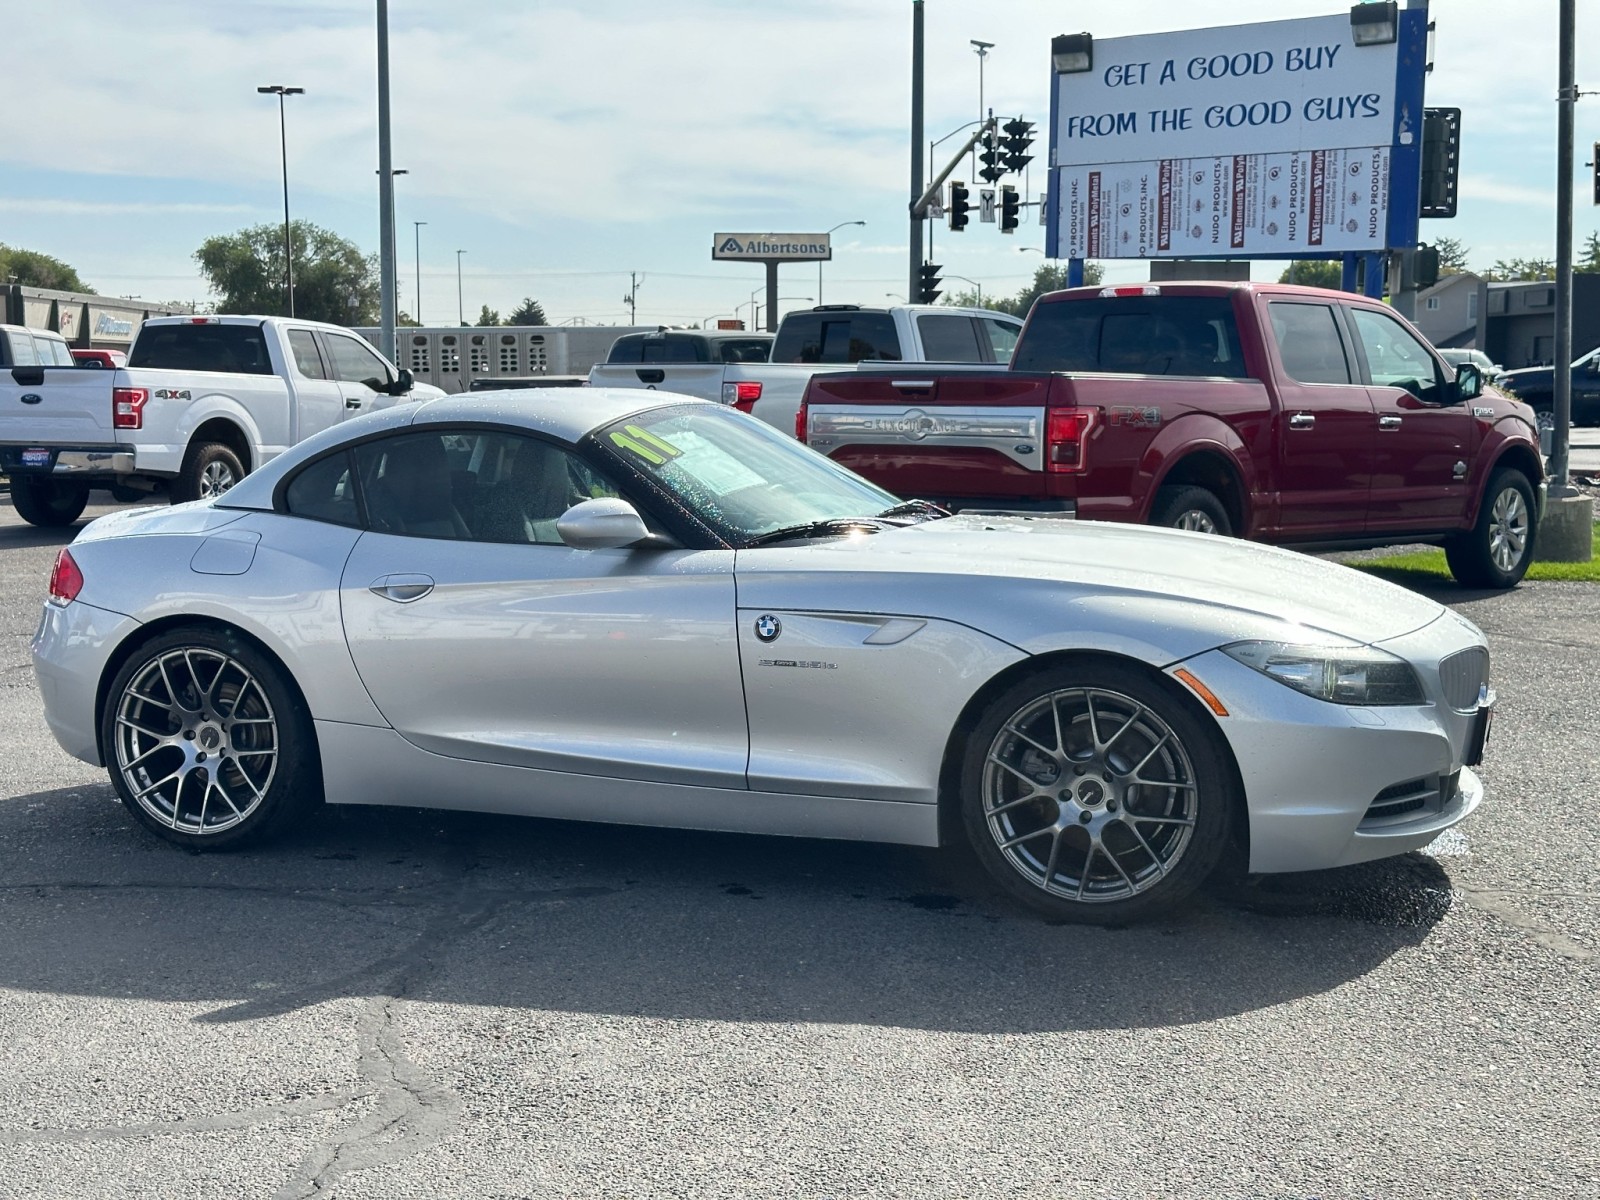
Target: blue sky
[[564, 143]]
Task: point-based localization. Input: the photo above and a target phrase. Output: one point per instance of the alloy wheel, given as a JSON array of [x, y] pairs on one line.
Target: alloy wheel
[[1508, 529], [217, 478]]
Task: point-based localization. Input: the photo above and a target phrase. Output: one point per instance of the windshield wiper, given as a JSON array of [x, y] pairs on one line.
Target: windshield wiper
[[916, 508], [817, 529]]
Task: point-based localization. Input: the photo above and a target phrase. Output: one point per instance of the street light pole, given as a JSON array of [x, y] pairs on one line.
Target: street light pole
[[977, 287], [388, 272], [461, 313], [840, 225], [280, 91], [983, 49], [417, 230]]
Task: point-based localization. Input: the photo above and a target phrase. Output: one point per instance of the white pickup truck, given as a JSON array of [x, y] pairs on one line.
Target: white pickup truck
[[202, 402], [833, 337]]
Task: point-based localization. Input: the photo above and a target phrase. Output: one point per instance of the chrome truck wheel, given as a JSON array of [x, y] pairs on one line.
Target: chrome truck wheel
[[1095, 794], [205, 742]]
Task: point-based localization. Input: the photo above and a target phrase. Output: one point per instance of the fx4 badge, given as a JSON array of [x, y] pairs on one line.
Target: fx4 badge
[[768, 627], [1136, 418]]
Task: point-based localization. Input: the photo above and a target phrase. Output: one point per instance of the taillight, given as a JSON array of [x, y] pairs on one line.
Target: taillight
[[742, 396], [66, 581], [127, 407], [800, 421], [1067, 438]]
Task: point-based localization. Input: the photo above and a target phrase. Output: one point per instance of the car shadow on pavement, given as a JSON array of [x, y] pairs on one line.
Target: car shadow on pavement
[[532, 914]]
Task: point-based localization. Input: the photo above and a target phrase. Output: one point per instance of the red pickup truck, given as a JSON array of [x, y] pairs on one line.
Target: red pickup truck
[[1284, 414]]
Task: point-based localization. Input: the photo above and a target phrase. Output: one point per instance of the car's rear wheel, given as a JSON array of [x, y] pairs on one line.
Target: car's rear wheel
[[1186, 507], [48, 503], [207, 742], [209, 469], [1091, 792], [1498, 550]]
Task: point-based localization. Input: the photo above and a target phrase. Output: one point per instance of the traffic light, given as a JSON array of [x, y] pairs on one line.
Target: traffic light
[[960, 205], [1441, 160], [928, 282], [1010, 208], [992, 158], [1019, 136], [1425, 266]]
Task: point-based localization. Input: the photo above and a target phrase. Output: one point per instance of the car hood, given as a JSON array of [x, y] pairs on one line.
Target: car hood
[[1027, 581]]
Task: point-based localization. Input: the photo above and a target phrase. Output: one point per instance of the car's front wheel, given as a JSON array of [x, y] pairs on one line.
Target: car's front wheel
[[1091, 792], [1498, 550], [208, 743]]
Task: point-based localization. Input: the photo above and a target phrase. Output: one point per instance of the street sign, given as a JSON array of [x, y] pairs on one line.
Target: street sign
[[771, 247], [986, 205], [1271, 140], [1044, 208]]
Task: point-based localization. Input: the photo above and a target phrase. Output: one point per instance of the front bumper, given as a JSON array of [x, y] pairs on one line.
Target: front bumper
[[1330, 785], [70, 651]]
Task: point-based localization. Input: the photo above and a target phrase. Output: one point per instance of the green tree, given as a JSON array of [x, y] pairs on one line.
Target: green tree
[[1314, 272], [1452, 255], [1589, 262], [488, 316], [1048, 278], [333, 280], [1521, 270], [33, 269], [529, 312]]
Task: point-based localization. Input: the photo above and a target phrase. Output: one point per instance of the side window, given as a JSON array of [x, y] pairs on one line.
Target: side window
[[22, 351], [477, 486], [1309, 343], [325, 491], [1002, 337], [949, 339], [306, 355], [627, 350], [1395, 358], [353, 362]]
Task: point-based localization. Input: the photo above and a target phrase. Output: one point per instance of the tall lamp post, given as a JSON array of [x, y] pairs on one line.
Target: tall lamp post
[[840, 225], [280, 91], [461, 313], [977, 287], [417, 230]]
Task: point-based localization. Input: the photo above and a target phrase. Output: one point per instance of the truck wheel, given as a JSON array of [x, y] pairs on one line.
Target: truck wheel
[[1498, 549], [48, 503], [1182, 507], [209, 469]]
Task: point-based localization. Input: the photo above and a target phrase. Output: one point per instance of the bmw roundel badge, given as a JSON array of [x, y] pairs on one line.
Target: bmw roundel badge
[[768, 627]]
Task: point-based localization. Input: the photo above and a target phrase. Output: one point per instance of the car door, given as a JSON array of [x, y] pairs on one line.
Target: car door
[[1425, 439], [318, 399], [480, 635], [1326, 426], [357, 368]]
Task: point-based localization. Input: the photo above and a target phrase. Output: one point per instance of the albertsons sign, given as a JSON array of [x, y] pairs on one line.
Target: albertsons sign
[[772, 247], [1277, 139]]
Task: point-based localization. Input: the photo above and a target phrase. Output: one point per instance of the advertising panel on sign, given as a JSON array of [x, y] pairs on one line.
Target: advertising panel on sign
[[771, 247], [1277, 139]]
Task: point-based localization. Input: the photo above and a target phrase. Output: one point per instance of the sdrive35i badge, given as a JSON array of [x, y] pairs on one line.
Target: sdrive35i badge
[[768, 627]]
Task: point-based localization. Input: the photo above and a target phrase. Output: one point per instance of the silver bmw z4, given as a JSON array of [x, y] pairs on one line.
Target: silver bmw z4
[[635, 607]]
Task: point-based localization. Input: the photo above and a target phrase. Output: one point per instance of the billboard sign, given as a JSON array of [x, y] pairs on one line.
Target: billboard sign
[[771, 247], [1279, 139]]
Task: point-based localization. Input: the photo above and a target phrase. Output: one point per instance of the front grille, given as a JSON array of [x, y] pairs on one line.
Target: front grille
[[1427, 794], [1463, 676]]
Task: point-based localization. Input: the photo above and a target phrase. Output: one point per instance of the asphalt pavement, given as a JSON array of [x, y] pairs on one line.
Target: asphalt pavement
[[398, 1003]]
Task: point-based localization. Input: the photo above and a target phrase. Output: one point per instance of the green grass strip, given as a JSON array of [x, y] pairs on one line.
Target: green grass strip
[[1429, 566]]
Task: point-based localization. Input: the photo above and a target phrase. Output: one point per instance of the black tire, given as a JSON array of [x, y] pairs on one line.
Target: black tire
[[48, 503], [1066, 829], [1498, 550], [209, 469], [186, 764], [1180, 506]]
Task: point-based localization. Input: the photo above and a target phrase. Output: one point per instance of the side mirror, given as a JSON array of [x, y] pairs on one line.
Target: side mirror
[[1469, 381], [402, 384], [604, 524], [1593, 366]]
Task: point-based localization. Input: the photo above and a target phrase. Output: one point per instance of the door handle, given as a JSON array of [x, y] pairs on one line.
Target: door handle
[[1302, 421], [402, 589], [352, 401], [1389, 422]]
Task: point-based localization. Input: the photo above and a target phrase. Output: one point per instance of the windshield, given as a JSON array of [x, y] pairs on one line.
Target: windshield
[[737, 474]]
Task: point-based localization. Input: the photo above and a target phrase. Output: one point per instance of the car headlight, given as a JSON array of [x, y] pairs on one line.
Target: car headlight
[[1337, 674]]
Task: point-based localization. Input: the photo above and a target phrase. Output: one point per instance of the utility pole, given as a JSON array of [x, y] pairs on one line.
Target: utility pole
[[461, 313], [915, 272], [385, 194], [417, 229], [632, 298]]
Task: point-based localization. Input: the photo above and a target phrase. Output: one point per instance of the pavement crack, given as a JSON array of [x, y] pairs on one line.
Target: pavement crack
[[1498, 904], [204, 1124]]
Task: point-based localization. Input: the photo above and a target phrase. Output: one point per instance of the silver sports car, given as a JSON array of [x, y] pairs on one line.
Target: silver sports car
[[634, 607]]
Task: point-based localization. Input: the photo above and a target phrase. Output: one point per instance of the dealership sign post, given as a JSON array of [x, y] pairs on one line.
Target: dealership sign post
[[771, 249], [1287, 139]]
